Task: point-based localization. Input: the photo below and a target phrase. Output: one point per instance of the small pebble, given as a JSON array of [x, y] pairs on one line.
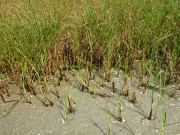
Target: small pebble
[[63, 121]]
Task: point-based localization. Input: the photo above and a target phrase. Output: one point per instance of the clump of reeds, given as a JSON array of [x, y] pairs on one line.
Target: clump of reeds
[[32, 88], [42, 93], [71, 109], [152, 98], [50, 45], [46, 88], [25, 92], [72, 105]]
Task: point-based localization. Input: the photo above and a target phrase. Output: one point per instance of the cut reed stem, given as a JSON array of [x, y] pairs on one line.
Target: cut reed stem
[[120, 114], [70, 106], [134, 98], [146, 85], [113, 85], [120, 109], [150, 115], [127, 92], [57, 93], [124, 83]]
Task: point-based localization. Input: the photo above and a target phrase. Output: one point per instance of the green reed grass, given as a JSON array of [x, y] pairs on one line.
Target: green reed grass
[[49, 35], [65, 107], [4, 107], [25, 92], [75, 100], [108, 117], [152, 98], [163, 121], [162, 91]]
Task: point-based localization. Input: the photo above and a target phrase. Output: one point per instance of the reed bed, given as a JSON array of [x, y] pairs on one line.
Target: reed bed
[[40, 39]]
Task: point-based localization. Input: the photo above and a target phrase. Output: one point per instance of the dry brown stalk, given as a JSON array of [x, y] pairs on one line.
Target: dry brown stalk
[[51, 101], [100, 94], [145, 88], [134, 97], [107, 76], [140, 80], [127, 92], [83, 87], [26, 85], [45, 102], [59, 79], [102, 85], [2, 96], [70, 106], [44, 86], [6, 88], [31, 86], [52, 66], [113, 85], [120, 115], [88, 84], [74, 74], [124, 84], [56, 89], [91, 77], [150, 115], [65, 76]]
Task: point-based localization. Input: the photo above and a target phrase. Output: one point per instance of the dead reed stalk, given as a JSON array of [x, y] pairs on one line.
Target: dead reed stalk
[[150, 115], [134, 98], [56, 88], [113, 85], [146, 85], [127, 92], [120, 115], [124, 84], [70, 106], [2, 96]]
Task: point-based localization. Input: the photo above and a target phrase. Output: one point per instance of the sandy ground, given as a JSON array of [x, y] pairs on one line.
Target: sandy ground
[[22, 118]]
